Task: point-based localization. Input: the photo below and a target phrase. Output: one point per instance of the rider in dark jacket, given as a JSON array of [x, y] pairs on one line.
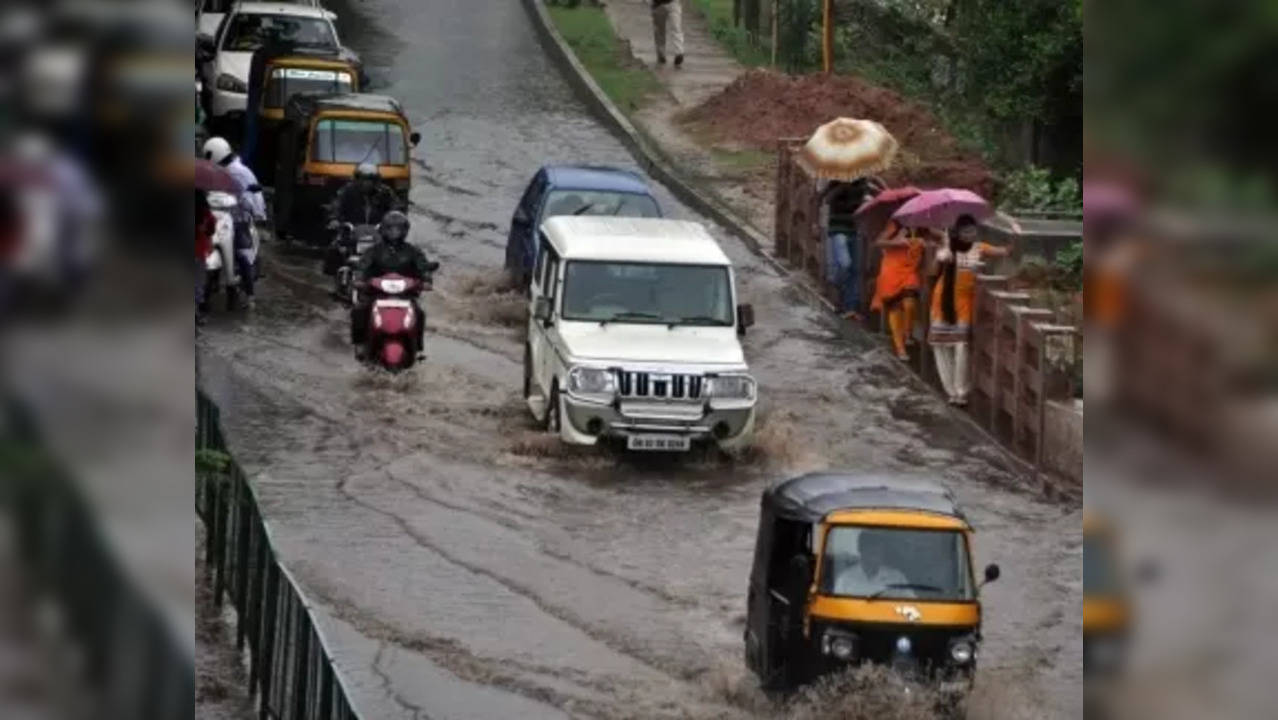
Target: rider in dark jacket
[[394, 254], [365, 200]]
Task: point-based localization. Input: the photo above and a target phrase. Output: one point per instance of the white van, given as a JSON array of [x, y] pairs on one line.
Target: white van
[[633, 328]]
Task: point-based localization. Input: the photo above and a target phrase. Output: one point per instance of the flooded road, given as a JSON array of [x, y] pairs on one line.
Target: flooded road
[[465, 565]]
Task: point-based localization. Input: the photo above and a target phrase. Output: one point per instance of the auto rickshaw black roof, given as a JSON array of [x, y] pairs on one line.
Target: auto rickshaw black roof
[[809, 498], [306, 105]]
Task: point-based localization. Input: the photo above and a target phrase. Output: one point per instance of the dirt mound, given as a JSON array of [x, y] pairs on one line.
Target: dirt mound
[[761, 106]]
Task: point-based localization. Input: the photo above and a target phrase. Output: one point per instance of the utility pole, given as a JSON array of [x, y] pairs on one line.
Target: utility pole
[[776, 25], [827, 36]]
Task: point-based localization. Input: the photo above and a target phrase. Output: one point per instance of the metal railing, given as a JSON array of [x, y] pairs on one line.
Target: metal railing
[[134, 664], [290, 668]]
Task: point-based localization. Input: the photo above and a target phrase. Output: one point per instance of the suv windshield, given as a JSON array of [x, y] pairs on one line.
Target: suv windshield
[[647, 293], [286, 82], [248, 32], [600, 202], [896, 563], [359, 141]]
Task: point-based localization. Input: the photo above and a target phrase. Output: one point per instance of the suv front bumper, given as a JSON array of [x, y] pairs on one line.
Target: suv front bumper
[[730, 423]]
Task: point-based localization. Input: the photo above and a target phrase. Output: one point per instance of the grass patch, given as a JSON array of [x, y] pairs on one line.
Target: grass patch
[[718, 15], [743, 160], [590, 35]]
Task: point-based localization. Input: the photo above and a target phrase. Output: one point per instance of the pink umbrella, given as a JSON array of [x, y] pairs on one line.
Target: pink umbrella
[[942, 208], [874, 213], [212, 177]]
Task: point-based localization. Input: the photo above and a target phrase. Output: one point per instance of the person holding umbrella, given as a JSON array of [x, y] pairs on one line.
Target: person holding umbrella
[[952, 300], [954, 293], [896, 290]]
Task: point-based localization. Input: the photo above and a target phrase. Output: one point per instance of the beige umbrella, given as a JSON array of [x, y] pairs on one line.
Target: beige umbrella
[[846, 149]]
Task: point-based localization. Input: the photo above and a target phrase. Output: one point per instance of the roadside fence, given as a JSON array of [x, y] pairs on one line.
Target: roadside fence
[[133, 664], [290, 667]]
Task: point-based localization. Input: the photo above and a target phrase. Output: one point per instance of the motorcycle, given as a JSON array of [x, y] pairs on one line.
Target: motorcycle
[[343, 258], [222, 272], [392, 330]]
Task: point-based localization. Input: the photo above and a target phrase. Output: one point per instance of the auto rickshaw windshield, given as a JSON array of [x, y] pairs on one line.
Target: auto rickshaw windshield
[[359, 141], [1099, 577], [884, 562], [284, 83]]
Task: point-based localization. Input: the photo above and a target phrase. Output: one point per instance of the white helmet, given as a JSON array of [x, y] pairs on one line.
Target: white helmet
[[217, 150]]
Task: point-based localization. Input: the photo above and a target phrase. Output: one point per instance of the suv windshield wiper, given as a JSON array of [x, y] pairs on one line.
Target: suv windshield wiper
[[583, 208], [695, 320], [906, 586], [629, 316]]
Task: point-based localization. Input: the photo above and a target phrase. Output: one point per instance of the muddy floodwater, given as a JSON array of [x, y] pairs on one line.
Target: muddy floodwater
[[466, 566]]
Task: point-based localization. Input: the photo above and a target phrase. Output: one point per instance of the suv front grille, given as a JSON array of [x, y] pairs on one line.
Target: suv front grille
[[659, 386]]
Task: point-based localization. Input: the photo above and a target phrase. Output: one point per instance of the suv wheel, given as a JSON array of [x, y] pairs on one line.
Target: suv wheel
[[527, 372], [553, 422]]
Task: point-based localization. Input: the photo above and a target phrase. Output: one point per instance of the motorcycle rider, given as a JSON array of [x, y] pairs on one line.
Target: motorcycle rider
[[392, 254], [251, 207], [364, 200]]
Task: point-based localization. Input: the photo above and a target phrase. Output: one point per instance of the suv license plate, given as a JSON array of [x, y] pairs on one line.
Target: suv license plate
[[659, 443]]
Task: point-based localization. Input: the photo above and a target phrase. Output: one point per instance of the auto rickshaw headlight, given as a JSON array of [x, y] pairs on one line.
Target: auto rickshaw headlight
[[841, 646], [962, 652], [903, 645]]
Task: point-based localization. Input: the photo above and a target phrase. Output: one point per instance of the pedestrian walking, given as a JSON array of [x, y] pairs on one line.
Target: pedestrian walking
[[896, 290], [952, 300], [667, 17]]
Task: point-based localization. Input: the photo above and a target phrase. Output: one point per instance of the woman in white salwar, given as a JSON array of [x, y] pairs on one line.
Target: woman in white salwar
[[952, 299]]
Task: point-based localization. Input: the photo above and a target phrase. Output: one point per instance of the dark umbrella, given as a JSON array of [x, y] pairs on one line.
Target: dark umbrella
[[211, 177], [873, 216]]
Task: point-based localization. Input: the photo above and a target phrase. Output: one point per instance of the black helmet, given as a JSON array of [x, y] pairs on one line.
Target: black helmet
[[394, 227], [366, 171]]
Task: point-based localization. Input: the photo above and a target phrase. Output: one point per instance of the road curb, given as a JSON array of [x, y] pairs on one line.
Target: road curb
[[649, 157]]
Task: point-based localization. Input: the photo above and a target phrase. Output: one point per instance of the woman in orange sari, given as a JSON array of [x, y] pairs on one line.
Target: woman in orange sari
[[896, 291], [952, 300]]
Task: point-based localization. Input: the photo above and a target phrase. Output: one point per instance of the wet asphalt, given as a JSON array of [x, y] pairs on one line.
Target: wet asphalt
[[466, 567]]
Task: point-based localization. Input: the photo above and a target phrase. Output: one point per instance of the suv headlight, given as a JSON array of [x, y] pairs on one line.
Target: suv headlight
[[592, 381], [229, 83], [732, 387]]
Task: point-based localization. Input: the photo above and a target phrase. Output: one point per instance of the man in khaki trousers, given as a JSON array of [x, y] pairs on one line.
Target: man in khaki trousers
[[668, 15]]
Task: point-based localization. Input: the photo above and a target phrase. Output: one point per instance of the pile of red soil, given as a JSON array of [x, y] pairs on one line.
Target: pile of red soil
[[761, 106]]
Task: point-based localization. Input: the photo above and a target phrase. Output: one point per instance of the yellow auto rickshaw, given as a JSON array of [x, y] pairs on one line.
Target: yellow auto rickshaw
[[1106, 609], [278, 73], [322, 140], [852, 568]]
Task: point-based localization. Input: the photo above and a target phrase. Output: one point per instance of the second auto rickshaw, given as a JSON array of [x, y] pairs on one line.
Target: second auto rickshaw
[[323, 139], [277, 74], [852, 568]]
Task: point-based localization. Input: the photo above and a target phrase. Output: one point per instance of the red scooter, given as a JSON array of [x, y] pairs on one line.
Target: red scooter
[[392, 326]]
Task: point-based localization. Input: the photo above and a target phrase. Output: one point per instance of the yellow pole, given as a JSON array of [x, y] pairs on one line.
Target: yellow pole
[[827, 35]]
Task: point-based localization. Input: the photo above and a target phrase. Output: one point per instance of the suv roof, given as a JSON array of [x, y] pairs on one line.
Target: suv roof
[[596, 177], [620, 239], [279, 8]]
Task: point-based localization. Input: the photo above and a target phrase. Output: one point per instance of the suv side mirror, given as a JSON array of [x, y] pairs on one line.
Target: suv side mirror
[[991, 573], [414, 138], [745, 317], [541, 309]]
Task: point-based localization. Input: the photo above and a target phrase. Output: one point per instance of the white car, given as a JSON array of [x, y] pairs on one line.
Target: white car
[[209, 13], [633, 333], [228, 55]]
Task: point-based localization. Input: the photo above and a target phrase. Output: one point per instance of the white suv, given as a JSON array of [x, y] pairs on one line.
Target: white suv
[[633, 332], [227, 56]]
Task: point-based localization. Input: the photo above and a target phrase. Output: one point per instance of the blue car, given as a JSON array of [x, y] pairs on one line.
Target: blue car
[[572, 190]]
